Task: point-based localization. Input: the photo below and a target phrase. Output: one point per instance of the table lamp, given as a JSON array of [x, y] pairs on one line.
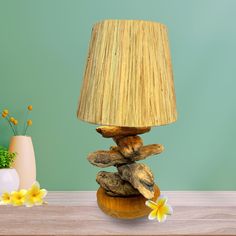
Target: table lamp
[[127, 89]]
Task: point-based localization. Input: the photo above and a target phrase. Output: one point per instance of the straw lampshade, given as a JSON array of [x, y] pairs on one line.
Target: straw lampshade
[[128, 78]]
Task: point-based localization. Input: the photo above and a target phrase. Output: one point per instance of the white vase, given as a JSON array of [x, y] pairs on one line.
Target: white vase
[[25, 160], [9, 180]]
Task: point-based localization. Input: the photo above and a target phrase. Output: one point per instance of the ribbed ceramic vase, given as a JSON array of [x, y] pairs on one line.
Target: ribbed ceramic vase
[[25, 160]]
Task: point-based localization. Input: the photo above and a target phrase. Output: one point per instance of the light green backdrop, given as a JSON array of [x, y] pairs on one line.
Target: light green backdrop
[[43, 46]]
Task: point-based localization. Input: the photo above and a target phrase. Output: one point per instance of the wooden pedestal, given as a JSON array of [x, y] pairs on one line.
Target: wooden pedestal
[[124, 207]]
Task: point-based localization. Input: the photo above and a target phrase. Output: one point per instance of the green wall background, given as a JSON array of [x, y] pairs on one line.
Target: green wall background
[[43, 46]]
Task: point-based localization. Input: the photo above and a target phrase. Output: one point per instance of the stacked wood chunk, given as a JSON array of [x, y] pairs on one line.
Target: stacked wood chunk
[[131, 178]]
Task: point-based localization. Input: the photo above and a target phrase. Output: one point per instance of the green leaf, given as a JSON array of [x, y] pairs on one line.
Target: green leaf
[[6, 158]]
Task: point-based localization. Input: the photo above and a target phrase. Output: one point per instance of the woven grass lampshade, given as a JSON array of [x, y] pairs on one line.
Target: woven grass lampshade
[[128, 79], [127, 88]]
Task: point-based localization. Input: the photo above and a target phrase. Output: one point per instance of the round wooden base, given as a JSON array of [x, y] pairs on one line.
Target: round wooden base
[[124, 207]]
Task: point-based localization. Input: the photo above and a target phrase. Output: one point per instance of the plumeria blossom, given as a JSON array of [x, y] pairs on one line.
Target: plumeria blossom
[[5, 199], [35, 195], [29, 198], [159, 209], [18, 198]]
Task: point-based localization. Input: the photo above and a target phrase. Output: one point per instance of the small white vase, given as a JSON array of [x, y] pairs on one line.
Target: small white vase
[[9, 180], [25, 160]]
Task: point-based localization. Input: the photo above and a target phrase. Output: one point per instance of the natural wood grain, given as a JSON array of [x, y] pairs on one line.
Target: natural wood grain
[[113, 157], [129, 146], [140, 176], [128, 79], [77, 213], [124, 207], [113, 131], [114, 185], [131, 177]]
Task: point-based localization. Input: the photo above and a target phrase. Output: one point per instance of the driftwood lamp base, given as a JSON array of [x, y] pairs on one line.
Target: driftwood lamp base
[[124, 207], [122, 194]]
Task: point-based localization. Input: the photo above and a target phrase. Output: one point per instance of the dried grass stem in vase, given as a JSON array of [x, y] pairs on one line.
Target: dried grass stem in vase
[[13, 122]]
